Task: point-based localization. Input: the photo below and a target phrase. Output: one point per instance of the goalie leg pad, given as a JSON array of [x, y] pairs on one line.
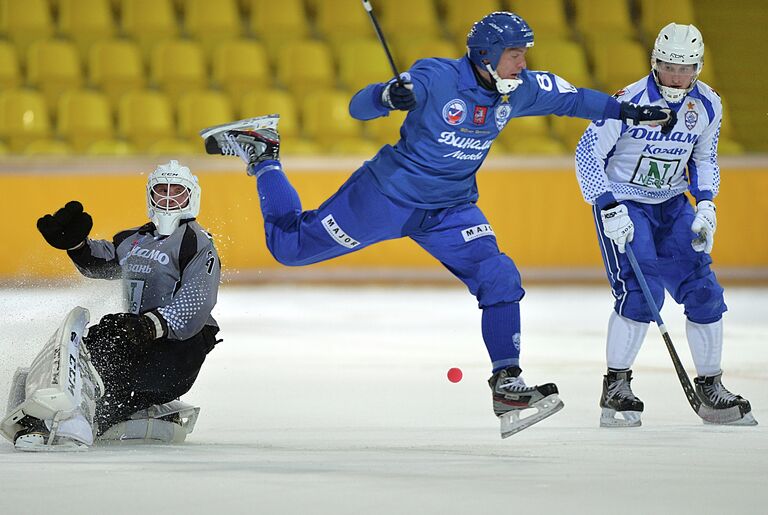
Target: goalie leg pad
[[165, 423]]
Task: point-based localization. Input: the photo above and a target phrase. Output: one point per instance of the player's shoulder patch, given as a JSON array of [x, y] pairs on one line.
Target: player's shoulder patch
[[620, 93]]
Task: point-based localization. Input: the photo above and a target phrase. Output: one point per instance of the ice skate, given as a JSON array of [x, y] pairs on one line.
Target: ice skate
[[253, 140], [35, 437], [618, 398], [511, 397], [716, 396]]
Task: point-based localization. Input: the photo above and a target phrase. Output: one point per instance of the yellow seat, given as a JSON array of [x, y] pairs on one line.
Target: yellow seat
[[3, 149], [385, 130], [569, 130], [115, 67], [618, 63], [522, 128], [240, 66], [148, 22], [111, 147], [25, 21], [23, 117], [177, 66], [326, 117], [657, 14], [276, 23], [563, 58], [421, 49], [459, 16], [85, 22], [535, 146], [53, 67], [211, 23], [145, 117], [10, 74], [84, 118], [305, 66], [546, 18], [352, 147], [597, 17], [267, 101], [338, 22], [174, 147], [48, 147], [406, 21], [200, 109], [363, 62]]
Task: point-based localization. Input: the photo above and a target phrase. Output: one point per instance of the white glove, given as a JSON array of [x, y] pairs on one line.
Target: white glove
[[704, 225], [617, 225]]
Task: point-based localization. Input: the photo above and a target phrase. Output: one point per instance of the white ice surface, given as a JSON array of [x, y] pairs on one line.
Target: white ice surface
[[332, 401]]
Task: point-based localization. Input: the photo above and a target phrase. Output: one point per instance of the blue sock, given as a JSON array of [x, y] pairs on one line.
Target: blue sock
[[501, 333], [276, 195]]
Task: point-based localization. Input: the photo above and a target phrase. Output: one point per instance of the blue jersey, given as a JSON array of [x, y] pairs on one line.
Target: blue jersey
[[444, 141]]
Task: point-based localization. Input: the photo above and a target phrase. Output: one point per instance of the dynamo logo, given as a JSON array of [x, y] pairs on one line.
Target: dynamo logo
[[455, 111]]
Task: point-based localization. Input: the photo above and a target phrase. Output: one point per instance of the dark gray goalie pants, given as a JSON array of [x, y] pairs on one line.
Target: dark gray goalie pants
[[136, 378]]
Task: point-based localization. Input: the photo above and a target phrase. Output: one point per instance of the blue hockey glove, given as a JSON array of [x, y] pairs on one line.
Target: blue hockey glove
[[633, 114], [399, 95]]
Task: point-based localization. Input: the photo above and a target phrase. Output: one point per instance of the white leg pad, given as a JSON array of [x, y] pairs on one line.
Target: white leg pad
[[148, 426]]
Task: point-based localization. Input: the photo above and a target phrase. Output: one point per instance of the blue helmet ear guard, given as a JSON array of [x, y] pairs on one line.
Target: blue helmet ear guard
[[488, 38]]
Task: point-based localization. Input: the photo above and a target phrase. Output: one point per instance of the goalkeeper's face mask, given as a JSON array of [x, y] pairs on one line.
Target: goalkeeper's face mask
[[173, 195]]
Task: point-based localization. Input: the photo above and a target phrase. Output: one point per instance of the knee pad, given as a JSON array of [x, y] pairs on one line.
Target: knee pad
[[498, 281], [705, 305], [632, 304]]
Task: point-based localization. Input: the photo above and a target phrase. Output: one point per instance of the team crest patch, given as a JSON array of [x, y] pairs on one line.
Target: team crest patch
[[502, 113], [455, 111], [479, 117], [478, 231], [691, 117], [338, 234]]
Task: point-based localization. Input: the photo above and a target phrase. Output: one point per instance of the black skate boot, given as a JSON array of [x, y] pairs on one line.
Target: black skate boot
[[618, 398], [511, 396], [716, 396]]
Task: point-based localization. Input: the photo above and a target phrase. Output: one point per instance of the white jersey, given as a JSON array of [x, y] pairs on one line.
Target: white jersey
[[617, 162]]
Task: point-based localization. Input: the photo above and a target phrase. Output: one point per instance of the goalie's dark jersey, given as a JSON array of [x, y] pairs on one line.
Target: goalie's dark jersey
[[177, 275]]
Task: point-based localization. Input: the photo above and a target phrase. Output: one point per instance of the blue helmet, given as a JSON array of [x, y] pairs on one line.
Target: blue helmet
[[488, 38]]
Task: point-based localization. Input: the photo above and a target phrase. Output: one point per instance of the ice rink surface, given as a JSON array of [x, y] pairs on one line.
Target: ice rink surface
[[335, 401]]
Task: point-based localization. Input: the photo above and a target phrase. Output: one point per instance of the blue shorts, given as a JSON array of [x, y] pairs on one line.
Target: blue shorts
[[359, 215], [662, 245]]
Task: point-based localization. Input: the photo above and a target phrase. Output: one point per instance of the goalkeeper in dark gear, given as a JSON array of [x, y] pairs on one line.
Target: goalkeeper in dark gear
[[146, 357]]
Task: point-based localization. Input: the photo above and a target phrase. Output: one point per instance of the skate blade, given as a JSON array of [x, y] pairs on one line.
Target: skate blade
[[32, 443], [628, 418], [252, 124], [747, 420], [512, 423]]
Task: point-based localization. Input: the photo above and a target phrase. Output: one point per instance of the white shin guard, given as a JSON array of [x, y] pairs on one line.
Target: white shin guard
[[625, 337], [706, 344], [166, 423]]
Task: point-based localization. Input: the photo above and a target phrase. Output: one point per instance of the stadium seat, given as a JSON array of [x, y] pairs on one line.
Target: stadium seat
[[363, 62], [459, 16], [656, 14], [148, 22], [174, 147], [84, 118], [53, 67], [25, 21], [10, 72], [563, 58], [569, 130], [546, 18], [353, 147], [726, 144], [385, 130], [177, 66], [200, 109], [337, 22], [305, 66], [85, 22], [410, 53], [210, 23], [276, 23], [145, 117], [526, 127], [326, 117], [267, 101], [111, 147], [597, 17], [239, 66], [23, 118], [534, 146], [115, 67], [48, 147], [406, 21], [618, 63]]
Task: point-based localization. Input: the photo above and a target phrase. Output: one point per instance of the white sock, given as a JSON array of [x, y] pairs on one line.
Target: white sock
[[625, 337], [706, 344]]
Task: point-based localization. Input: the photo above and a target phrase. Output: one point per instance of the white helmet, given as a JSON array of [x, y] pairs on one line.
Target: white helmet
[[165, 207], [678, 44]]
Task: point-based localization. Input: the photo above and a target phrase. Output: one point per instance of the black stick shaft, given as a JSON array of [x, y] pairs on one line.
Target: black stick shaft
[[369, 9]]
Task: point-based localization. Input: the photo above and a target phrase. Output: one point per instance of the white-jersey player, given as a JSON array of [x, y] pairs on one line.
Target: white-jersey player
[[636, 179]]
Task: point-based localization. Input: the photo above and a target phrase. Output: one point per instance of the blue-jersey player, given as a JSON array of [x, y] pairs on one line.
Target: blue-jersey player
[[424, 186]]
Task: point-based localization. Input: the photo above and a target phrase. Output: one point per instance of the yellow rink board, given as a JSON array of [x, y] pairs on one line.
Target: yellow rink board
[[538, 214]]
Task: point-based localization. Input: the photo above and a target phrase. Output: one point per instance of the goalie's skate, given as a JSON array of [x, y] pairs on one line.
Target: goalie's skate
[[253, 140], [617, 398], [714, 395], [37, 438], [511, 396]]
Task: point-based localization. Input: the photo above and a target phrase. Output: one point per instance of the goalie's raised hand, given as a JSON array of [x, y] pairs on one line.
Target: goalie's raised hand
[[68, 228]]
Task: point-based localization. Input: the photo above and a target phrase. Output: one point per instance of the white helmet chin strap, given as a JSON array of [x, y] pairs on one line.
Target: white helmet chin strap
[[503, 86]]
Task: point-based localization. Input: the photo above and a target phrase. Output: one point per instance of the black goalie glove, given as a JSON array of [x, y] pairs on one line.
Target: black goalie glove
[[140, 330], [67, 228], [633, 114]]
